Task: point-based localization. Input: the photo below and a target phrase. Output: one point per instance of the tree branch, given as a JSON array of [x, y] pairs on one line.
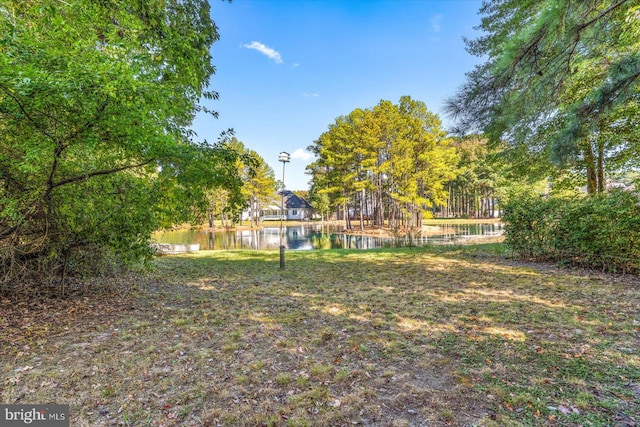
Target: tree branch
[[27, 115], [601, 15], [8, 231], [98, 173], [581, 27], [61, 146], [54, 166], [89, 123]]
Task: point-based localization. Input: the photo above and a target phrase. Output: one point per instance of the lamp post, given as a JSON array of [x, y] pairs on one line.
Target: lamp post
[[284, 158]]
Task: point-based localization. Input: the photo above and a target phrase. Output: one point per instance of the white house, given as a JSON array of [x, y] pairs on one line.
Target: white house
[[296, 208]]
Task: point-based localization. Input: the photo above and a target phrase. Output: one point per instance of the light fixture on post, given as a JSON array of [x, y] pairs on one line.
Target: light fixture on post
[[284, 158]]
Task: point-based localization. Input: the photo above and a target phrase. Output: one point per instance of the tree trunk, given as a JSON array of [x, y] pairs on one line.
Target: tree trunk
[[392, 214], [369, 204], [347, 220], [590, 164], [600, 166], [378, 213], [252, 210], [362, 196], [492, 205], [452, 202]]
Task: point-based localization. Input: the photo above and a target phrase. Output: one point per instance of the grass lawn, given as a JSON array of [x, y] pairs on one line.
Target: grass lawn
[[401, 337]]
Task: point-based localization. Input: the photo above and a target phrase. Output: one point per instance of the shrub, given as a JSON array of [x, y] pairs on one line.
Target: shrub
[[600, 231]]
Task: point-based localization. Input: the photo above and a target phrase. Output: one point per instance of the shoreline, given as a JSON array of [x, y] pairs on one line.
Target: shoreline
[[430, 226]]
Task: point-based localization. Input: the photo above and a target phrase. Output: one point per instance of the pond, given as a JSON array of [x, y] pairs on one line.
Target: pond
[[317, 236]]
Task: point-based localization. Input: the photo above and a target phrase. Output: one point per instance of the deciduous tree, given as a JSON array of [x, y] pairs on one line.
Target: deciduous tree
[[96, 99]]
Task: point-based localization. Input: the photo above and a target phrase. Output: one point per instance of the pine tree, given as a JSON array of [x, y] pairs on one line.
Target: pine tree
[[560, 77]]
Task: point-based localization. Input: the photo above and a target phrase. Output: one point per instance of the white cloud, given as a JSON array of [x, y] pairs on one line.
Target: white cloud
[[314, 95], [301, 154], [435, 21], [266, 50]]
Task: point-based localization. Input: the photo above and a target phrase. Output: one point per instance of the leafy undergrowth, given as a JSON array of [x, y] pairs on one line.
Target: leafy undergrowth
[[402, 337]]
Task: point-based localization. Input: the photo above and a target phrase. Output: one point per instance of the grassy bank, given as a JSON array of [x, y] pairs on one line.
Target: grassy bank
[[441, 336]]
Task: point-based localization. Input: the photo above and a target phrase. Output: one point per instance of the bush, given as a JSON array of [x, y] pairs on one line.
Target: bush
[[601, 231]]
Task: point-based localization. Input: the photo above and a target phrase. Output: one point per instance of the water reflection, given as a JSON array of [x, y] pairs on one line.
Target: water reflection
[[316, 236]]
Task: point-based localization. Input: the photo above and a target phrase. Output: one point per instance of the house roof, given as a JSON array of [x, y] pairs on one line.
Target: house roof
[[291, 201]]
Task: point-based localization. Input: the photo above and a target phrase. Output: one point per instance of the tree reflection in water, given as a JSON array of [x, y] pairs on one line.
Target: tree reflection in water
[[316, 236]]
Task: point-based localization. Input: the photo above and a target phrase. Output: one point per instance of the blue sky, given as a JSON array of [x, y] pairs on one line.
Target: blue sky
[[285, 69]]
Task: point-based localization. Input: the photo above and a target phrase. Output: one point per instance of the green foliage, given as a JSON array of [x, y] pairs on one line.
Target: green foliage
[[320, 202], [389, 162], [559, 85], [95, 150], [478, 174], [255, 184], [596, 232]]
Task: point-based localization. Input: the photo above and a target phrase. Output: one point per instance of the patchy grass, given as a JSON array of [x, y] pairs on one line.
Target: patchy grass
[[441, 336]]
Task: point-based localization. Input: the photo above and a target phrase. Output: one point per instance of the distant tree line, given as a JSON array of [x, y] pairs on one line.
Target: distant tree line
[[385, 165], [393, 164], [258, 188], [474, 192]]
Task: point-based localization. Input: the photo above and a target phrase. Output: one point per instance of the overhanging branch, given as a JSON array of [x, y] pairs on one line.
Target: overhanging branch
[[98, 173]]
